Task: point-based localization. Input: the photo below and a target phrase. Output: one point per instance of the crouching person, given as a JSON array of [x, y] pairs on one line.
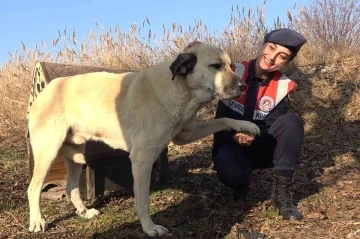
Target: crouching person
[[263, 102]]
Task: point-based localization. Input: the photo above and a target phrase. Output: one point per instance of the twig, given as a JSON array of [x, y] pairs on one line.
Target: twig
[[16, 220], [57, 232]]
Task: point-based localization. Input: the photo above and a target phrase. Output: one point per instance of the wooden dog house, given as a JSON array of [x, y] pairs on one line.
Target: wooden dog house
[[106, 168]]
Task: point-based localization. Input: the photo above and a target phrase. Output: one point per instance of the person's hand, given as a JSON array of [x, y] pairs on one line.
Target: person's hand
[[243, 139], [191, 44]]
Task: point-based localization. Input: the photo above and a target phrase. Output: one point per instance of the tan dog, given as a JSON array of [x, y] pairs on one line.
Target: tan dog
[[140, 112]]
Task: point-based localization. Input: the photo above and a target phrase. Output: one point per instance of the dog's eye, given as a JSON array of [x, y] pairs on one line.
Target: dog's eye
[[217, 66]]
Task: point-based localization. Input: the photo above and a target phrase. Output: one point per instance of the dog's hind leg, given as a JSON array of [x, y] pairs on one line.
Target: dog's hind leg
[[45, 150], [41, 168], [142, 162], [73, 155]]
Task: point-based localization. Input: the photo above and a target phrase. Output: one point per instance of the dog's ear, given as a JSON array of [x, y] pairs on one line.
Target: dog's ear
[[183, 64]]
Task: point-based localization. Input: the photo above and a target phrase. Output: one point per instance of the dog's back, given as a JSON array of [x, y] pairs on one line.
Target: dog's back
[[96, 104]]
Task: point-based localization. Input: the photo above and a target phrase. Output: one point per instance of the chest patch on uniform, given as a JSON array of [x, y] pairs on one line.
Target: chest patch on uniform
[[266, 103]]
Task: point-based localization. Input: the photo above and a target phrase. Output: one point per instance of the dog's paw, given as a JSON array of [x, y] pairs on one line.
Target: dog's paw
[[251, 128], [38, 225], [89, 213], [155, 230], [244, 127]]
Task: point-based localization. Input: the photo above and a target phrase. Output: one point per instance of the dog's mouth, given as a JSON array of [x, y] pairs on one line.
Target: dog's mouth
[[230, 92], [224, 96]]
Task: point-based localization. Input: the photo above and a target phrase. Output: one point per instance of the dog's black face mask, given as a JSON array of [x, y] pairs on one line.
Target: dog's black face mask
[[183, 64]]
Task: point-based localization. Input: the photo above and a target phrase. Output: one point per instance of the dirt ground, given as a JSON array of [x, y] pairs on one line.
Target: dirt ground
[[193, 204]]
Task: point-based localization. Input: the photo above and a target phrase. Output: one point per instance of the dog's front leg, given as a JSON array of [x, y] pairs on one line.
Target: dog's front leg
[[195, 131], [142, 163]]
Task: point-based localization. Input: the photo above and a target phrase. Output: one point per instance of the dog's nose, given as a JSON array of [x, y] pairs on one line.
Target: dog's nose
[[241, 85]]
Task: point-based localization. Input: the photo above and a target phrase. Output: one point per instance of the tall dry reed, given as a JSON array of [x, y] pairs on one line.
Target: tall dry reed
[[331, 26]]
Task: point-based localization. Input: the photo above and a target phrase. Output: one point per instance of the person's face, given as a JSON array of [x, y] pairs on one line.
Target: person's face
[[272, 57]]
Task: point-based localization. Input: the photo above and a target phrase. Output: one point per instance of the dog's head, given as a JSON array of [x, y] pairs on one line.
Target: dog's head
[[207, 70]]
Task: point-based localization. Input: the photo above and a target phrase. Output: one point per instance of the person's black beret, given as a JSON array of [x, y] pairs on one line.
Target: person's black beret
[[287, 38]]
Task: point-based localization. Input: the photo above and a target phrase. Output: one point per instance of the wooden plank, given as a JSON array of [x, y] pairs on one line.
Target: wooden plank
[[55, 70], [164, 166], [90, 183], [58, 170]]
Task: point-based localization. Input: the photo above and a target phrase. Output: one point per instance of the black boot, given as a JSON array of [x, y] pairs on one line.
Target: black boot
[[281, 196]]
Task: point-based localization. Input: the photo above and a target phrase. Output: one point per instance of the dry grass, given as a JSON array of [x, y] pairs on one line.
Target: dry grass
[[140, 48], [328, 100], [332, 28]]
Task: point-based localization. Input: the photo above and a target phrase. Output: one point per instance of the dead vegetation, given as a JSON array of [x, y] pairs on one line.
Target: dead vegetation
[[193, 204]]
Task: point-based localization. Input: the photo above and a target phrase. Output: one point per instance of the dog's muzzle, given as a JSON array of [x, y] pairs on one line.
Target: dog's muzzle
[[241, 86]]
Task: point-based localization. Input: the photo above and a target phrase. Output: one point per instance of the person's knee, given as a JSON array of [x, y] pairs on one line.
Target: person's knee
[[293, 121], [231, 177], [232, 170], [289, 124], [288, 133]]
